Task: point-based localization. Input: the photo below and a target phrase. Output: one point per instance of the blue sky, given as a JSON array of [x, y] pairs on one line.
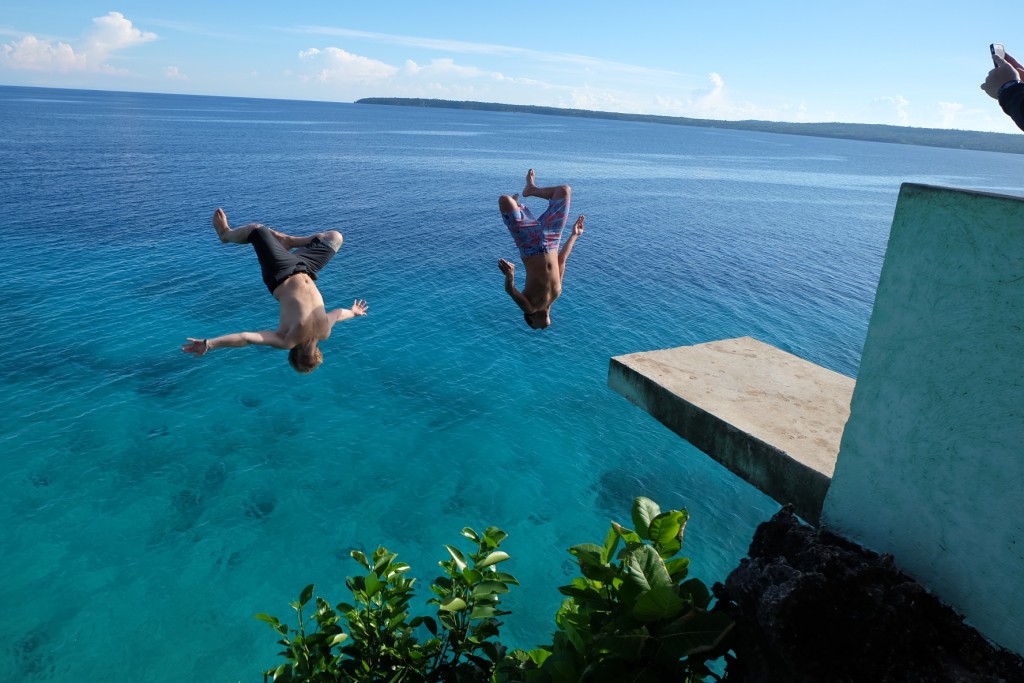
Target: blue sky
[[901, 62]]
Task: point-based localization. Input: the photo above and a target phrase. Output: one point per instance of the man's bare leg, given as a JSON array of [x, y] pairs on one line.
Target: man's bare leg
[[554, 192], [226, 233], [241, 235]]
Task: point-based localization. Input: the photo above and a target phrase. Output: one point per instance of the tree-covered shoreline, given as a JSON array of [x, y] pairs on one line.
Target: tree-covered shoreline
[[903, 135]]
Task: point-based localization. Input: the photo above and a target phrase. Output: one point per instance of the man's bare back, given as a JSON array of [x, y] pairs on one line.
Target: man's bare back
[[290, 276]]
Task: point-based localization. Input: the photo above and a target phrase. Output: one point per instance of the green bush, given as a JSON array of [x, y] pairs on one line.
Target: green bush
[[382, 642], [632, 615]]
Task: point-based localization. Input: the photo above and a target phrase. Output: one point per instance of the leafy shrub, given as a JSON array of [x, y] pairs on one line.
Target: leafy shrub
[[382, 642], [632, 616]]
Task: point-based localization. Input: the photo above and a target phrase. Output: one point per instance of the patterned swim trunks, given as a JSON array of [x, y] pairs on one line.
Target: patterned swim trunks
[[538, 235]]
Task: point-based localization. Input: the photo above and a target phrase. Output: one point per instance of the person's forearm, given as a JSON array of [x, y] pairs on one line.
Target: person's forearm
[[235, 340], [567, 249]]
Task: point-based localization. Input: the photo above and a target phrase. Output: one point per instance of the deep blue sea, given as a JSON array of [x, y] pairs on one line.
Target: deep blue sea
[[152, 503]]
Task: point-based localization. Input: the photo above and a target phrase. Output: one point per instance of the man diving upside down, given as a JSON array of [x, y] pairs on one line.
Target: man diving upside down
[[538, 240], [290, 276]]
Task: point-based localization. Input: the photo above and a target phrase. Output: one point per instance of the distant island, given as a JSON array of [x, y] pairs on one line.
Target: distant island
[[901, 135]]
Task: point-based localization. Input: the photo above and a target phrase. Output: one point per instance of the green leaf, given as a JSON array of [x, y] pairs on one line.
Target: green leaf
[[667, 526], [471, 575], [453, 604], [307, 594], [644, 510], [697, 592], [646, 570], [587, 552], [460, 559], [484, 612], [489, 588], [494, 651], [659, 603], [471, 534], [611, 542], [504, 578], [382, 560], [666, 531], [273, 621], [494, 536], [678, 568], [627, 535], [340, 638], [429, 623], [492, 559], [373, 584], [591, 564], [360, 557]]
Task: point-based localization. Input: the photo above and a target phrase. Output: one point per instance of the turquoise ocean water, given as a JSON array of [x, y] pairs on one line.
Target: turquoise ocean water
[[152, 503]]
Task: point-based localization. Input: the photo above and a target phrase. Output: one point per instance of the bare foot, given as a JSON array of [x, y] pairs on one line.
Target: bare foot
[[530, 184], [220, 224]]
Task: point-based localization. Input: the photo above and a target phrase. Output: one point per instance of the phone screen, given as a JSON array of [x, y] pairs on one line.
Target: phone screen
[[997, 49]]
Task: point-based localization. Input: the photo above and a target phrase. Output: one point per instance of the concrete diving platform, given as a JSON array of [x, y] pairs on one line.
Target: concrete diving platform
[[772, 418]]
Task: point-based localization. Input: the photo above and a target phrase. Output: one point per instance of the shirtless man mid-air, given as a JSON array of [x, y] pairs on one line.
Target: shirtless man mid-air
[[290, 276]]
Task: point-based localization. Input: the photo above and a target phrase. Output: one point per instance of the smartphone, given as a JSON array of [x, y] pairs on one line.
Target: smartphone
[[997, 49]]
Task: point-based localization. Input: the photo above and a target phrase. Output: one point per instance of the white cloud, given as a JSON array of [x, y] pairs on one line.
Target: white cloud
[[335, 65], [113, 32], [33, 54], [173, 73], [108, 34]]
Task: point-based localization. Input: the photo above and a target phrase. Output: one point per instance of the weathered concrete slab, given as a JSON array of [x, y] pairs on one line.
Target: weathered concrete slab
[[769, 416]]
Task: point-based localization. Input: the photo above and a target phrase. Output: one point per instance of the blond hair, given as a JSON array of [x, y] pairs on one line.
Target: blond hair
[[298, 364]]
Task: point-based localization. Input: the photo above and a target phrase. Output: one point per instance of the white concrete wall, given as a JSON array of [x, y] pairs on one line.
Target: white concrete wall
[[931, 464]]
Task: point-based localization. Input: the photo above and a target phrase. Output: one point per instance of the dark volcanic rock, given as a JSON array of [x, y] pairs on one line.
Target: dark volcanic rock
[[813, 607]]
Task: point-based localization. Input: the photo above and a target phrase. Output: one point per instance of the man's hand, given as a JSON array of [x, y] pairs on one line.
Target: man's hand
[[577, 229], [507, 267], [359, 307], [196, 346], [1005, 70]]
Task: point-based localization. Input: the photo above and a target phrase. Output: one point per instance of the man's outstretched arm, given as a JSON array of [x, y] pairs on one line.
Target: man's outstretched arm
[[577, 230], [199, 347], [359, 307]]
